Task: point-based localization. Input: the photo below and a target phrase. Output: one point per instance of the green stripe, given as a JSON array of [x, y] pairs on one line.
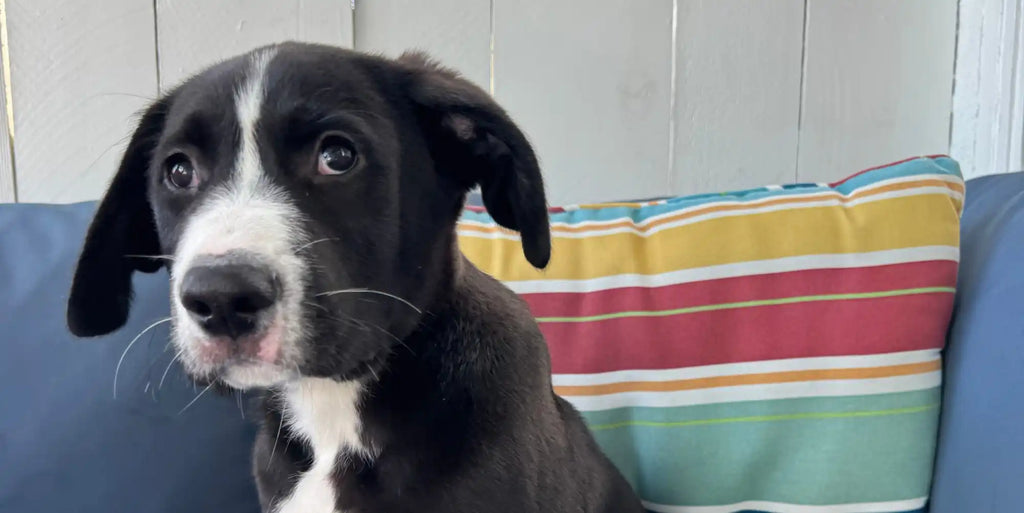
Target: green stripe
[[770, 418], [758, 302], [807, 460], [763, 408]]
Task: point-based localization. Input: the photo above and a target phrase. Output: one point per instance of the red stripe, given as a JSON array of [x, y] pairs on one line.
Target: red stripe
[[936, 273], [898, 162], [825, 328]]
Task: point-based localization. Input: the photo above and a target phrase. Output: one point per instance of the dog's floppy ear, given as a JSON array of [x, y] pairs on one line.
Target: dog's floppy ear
[[120, 238], [473, 140]]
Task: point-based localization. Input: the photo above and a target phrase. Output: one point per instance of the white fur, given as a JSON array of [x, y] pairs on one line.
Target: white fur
[[248, 213], [324, 413]]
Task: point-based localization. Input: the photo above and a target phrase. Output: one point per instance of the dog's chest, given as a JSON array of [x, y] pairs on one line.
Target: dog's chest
[[325, 414]]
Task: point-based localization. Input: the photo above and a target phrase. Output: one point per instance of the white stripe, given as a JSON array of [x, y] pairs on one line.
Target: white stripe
[[824, 388], [782, 507], [733, 369], [633, 229], [750, 268], [248, 101], [751, 203]]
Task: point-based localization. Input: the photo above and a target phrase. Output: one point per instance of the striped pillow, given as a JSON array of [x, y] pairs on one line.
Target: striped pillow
[[775, 349]]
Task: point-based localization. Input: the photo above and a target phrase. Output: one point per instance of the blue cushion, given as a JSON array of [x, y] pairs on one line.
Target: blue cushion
[[66, 443], [980, 465]]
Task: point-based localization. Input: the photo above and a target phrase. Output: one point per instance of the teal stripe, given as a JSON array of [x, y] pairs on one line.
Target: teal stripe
[[746, 304], [828, 450], [941, 166]]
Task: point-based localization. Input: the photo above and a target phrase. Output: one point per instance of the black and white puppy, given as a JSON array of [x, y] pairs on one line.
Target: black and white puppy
[[304, 199]]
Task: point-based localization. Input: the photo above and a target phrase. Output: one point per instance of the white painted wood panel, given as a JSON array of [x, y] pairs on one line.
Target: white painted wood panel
[[737, 95], [877, 83], [988, 101], [194, 34], [622, 99], [590, 83], [78, 74], [455, 32]]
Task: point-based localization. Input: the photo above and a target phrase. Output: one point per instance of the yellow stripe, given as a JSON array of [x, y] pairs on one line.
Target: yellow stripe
[[874, 226], [764, 378], [712, 208]]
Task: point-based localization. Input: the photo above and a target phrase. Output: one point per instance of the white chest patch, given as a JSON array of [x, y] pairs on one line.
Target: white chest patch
[[324, 413]]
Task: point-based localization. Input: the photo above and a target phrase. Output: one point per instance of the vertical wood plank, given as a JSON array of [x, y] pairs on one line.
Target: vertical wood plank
[[590, 83], [8, 192], [988, 113], [737, 99], [193, 34], [455, 32], [78, 74], [878, 83]]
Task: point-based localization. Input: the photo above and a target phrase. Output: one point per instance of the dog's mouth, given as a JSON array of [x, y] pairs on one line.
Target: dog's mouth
[[257, 359], [267, 358]]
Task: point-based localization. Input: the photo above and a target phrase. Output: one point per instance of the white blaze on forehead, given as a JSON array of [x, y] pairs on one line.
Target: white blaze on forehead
[[248, 102], [247, 213]]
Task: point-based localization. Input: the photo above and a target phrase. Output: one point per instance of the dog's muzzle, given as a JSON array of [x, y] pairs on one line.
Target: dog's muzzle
[[231, 298]]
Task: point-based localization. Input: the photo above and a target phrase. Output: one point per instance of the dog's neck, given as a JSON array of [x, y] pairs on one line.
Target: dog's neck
[[452, 355]]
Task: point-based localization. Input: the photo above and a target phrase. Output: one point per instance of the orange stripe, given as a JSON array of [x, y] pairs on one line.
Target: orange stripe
[[727, 208], [750, 379]]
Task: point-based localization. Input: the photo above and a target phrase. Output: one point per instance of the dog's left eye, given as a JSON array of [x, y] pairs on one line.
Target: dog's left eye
[[336, 156]]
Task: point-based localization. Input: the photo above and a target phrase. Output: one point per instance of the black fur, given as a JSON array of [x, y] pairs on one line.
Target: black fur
[[121, 239], [458, 399]]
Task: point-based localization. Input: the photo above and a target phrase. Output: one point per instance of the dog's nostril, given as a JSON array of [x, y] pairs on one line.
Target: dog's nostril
[[196, 306]]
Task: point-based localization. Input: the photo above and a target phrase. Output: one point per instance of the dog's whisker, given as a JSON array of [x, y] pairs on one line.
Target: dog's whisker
[[120, 360], [196, 398], [118, 93], [314, 305], [277, 438], [370, 291], [365, 325], [318, 241], [154, 257], [238, 399], [168, 368]]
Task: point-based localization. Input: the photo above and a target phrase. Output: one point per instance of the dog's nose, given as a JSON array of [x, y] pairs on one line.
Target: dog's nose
[[227, 299]]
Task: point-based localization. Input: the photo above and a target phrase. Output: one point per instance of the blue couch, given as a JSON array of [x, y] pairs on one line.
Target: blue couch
[[88, 425]]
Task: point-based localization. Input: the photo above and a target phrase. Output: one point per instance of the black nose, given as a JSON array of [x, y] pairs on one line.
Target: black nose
[[228, 299]]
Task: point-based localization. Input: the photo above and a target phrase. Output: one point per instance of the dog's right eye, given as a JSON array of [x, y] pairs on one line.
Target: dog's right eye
[[181, 174]]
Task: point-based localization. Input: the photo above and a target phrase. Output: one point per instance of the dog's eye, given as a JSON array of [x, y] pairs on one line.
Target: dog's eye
[[336, 156], [180, 172]]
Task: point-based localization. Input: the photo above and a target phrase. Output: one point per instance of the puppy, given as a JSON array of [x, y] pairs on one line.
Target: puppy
[[304, 200]]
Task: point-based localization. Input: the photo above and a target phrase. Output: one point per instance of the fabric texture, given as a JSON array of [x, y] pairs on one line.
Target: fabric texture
[[775, 349], [107, 424], [980, 466]]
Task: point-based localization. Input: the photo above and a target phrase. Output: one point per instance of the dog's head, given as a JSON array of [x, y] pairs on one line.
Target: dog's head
[[304, 199]]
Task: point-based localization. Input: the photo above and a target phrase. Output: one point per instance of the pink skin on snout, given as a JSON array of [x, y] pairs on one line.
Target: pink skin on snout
[[266, 348]]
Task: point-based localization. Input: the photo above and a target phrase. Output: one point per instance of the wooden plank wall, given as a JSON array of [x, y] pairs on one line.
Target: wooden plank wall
[[622, 99]]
